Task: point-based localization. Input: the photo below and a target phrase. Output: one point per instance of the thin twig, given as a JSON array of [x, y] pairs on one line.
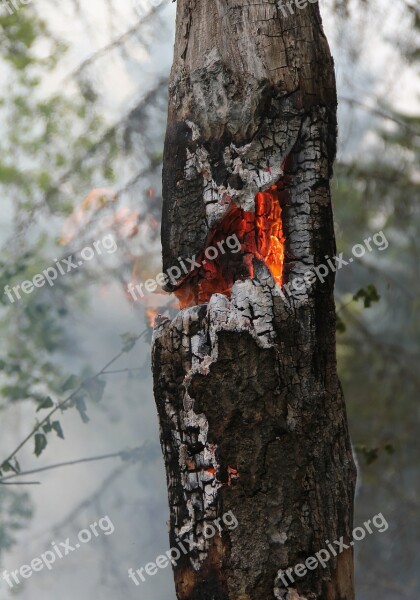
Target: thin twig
[[119, 41], [104, 485], [122, 371], [20, 482], [385, 348], [66, 400], [161, 84], [120, 454], [343, 306], [379, 113]]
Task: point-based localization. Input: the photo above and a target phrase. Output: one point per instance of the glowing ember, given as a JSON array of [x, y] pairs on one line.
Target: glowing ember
[[233, 475], [261, 236]]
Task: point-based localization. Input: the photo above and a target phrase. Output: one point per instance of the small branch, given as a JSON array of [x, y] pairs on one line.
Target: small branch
[[66, 400], [378, 113], [136, 178], [122, 371], [124, 454], [119, 41], [150, 97], [343, 306], [394, 354], [20, 482], [106, 483]]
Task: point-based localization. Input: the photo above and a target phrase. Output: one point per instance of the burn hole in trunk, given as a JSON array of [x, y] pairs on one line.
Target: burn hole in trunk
[[239, 238]]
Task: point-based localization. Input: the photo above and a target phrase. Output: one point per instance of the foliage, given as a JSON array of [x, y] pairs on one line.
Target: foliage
[[55, 147]]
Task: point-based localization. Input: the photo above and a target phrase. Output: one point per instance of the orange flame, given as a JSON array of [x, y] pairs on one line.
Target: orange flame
[[124, 221], [269, 229], [97, 199], [261, 236], [151, 314]]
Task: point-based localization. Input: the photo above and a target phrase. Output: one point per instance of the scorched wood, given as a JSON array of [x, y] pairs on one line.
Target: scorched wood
[[251, 412]]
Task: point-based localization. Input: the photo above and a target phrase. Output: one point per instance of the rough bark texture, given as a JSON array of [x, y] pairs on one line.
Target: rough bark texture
[[251, 411]]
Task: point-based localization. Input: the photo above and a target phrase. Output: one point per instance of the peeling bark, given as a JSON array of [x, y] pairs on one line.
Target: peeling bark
[[251, 411]]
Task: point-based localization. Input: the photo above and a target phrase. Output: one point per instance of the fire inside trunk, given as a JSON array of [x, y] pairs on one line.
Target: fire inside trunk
[[261, 237]]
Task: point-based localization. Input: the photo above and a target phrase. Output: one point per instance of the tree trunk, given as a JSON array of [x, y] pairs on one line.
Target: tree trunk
[[251, 411]]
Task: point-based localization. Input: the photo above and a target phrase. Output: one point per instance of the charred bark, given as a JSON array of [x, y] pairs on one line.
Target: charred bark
[[251, 411]]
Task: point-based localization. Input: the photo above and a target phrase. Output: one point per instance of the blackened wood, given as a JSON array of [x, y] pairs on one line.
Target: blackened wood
[[251, 411]]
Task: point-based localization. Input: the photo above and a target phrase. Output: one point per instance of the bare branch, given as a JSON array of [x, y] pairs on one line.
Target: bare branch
[[379, 113], [20, 483], [134, 454], [119, 41], [66, 400]]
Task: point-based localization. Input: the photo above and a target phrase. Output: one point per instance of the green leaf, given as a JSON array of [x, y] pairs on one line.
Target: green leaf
[[8, 466], [71, 383], [47, 403], [95, 388], [40, 443], [80, 405], [389, 448], [46, 428], [57, 428], [369, 295], [369, 454], [129, 340], [340, 325]]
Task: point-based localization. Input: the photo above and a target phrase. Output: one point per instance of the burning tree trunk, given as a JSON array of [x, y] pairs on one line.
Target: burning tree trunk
[[251, 411]]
